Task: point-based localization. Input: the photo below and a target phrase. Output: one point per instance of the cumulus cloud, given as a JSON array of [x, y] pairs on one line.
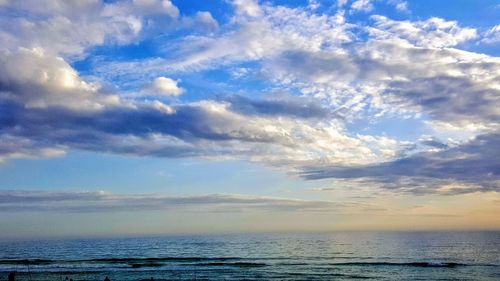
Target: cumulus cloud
[[35, 79], [206, 19], [101, 201], [69, 27], [164, 86]]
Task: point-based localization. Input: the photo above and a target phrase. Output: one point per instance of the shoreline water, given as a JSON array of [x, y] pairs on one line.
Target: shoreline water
[[312, 256]]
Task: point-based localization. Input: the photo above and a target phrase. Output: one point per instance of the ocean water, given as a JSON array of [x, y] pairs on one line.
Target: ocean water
[[321, 256]]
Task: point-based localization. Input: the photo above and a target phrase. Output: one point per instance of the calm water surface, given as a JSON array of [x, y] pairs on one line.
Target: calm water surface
[[322, 256]]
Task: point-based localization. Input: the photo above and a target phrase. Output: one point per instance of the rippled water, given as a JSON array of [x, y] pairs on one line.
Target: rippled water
[[322, 256]]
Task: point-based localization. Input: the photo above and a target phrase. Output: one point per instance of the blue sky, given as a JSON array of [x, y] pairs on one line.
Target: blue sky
[[347, 112]]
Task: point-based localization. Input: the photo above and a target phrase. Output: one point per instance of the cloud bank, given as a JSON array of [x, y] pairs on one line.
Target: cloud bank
[[100, 201]]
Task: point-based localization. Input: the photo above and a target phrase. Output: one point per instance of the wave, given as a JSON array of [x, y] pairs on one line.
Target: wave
[[408, 264], [237, 264], [161, 259], [413, 264], [26, 261], [136, 263], [329, 275], [114, 260]]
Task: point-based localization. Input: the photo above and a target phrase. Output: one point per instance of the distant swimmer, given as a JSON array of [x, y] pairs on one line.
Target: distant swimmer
[[66, 279], [12, 276], [106, 279]]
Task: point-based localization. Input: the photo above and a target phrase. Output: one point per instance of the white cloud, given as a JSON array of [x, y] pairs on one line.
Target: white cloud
[[39, 80], [247, 7], [149, 7], [206, 20], [313, 4], [434, 32], [164, 86], [492, 35], [69, 27], [341, 3], [362, 5], [400, 5], [278, 30]]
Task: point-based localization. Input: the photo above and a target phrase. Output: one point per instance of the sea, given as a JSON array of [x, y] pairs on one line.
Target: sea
[[263, 256]]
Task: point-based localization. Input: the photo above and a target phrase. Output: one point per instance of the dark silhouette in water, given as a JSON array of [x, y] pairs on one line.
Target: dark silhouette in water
[[106, 279], [12, 276]]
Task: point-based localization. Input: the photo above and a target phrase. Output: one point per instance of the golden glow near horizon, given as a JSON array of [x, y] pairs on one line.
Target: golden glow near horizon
[[384, 211]]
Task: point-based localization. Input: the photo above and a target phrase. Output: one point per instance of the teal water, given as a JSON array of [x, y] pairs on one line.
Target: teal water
[[321, 256]]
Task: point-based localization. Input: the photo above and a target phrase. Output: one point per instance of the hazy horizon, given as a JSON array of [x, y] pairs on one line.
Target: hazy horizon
[[114, 237]]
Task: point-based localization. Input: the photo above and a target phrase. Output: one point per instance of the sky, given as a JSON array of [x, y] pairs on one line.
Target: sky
[[150, 117]]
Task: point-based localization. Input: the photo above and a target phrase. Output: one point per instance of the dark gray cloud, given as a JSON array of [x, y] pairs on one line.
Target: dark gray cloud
[[474, 166], [451, 99], [433, 142], [299, 107], [106, 129], [98, 201]]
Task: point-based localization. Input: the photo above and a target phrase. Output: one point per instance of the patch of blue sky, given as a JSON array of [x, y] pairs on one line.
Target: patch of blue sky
[[480, 14], [402, 129], [80, 170], [220, 10], [477, 13], [487, 49], [115, 52], [291, 3], [205, 84]]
